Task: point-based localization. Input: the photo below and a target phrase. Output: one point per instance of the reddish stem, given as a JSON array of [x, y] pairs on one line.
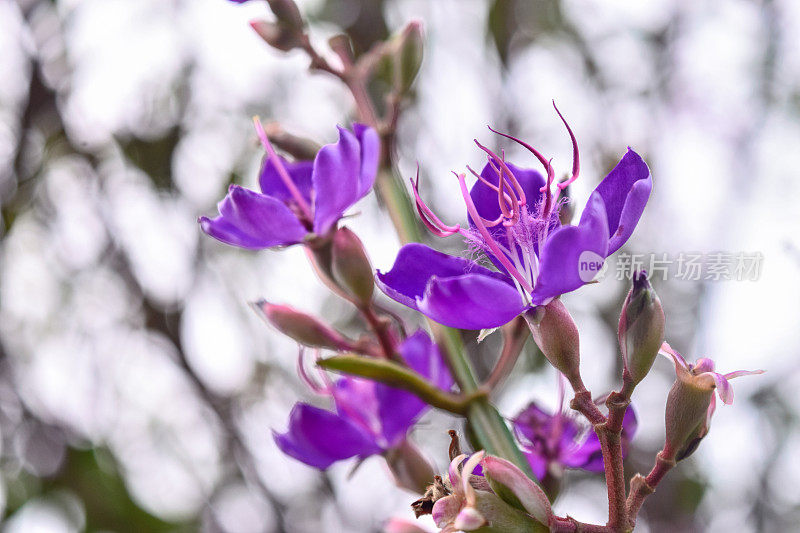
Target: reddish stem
[[642, 487]]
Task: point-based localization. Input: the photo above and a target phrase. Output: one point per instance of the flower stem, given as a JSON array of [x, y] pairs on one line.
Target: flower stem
[[642, 487], [608, 431], [488, 427], [515, 334]]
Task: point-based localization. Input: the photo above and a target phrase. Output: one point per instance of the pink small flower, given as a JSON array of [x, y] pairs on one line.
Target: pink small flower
[[691, 402]]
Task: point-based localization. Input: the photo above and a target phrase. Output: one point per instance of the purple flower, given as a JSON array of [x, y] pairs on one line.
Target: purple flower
[[552, 442], [513, 221], [369, 417], [301, 199]]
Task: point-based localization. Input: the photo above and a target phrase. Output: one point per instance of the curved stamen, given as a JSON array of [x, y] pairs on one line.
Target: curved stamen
[[576, 160], [284, 175], [428, 217], [312, 384], [514, 206], [502, 216], [548, 168], [507, 171], [487, 236], [548, 197], [486, 182]]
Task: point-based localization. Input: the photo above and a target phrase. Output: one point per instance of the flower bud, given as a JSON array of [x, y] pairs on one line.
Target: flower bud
[[406, 51], [276, 35], [410, 468], [517, 489], [641, 327], [687, 416], [556, 335], [288, 14], [301, 327], [350, 266]]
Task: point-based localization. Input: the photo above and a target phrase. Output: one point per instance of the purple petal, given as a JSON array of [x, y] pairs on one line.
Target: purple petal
[[319, 438], [587, 455], [530, 421], [536, 425], [471, 301], [451, 290], [399, 409], [370, 156], [252, 220], [343, 173], [629, 424], [273, 185], [423, 355], [625, 192], [567, 249], [356, 399], [724, 388], [538, 464]]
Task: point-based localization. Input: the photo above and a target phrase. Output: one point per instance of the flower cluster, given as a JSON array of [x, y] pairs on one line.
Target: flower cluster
[[513, 221], [525, 254]]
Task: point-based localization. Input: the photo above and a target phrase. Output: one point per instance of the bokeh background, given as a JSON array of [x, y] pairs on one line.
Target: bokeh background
[[137, 389]]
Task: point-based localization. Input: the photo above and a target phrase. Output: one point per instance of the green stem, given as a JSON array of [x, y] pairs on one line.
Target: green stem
[[488, 427], [398, 203]]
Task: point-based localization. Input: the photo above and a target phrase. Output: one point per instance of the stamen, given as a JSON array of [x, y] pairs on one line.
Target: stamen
[[284, 175], [313, 384], [507, 171], [512, 212], [576, 160], [428, 217], [488, 239], [486, 182], [531, 149], [548, 198]]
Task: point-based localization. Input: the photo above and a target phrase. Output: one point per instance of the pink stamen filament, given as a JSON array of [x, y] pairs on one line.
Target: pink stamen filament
[[510, 175], [305, 209], [576, 160], [512, 212], [487, 236], [315, 386], [428, 217], [489, 184], [534, 151]]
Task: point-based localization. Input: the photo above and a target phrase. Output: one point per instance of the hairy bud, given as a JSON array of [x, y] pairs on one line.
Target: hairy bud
[[689, 408], [301, 327], [641, 327], [406, 51], [410, 468], [350, 266], [556, 334]]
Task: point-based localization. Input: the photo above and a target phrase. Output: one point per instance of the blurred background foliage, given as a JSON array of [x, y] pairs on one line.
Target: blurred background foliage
[[137, 392]]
